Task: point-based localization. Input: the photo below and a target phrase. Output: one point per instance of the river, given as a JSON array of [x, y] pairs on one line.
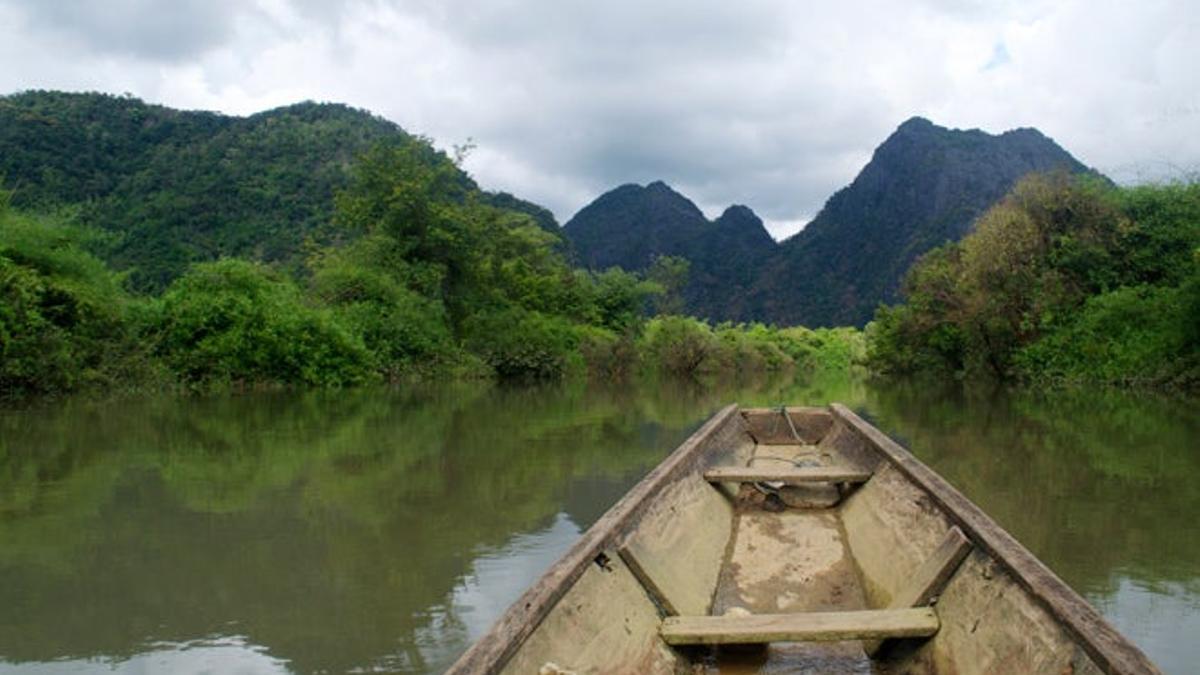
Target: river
[[381, 530]]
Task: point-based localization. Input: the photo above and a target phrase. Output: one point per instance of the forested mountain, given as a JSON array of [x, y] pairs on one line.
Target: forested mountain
[[924, 186], [631, 225], [176, 187], [412, 271]]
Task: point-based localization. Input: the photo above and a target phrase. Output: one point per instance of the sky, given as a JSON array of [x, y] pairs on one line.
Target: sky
[[774, 104]]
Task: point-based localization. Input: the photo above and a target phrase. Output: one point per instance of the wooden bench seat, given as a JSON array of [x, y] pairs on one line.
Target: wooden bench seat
[[789, 476], [872, 624]]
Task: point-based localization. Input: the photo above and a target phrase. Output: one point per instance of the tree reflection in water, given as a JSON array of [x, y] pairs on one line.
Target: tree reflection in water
[[384, 529]]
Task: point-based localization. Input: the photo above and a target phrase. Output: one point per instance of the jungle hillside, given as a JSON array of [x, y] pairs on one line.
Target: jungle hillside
[[319, 245]]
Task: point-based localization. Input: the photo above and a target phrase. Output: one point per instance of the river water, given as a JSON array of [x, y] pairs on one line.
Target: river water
[[382, 530]]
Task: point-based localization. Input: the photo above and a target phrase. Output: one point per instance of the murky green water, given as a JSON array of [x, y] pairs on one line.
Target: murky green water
[[376, 530]]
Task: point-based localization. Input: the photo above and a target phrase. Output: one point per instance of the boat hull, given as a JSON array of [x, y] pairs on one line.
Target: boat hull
[[857, 535]]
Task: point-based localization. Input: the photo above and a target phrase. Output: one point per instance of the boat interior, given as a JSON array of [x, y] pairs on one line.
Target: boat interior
[[790, 557], [793, 540]]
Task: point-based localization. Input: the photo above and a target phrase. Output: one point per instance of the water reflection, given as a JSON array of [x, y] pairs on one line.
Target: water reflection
[[224, 654], [383, 530]]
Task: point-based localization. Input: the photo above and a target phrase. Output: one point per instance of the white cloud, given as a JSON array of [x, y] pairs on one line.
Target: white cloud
[[767, 103]]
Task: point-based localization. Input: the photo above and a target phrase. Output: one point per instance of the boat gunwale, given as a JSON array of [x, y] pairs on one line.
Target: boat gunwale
[[492, 651], [1108, 649]]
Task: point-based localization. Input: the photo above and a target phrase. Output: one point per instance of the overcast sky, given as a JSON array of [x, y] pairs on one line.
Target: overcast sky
[[769, 103]]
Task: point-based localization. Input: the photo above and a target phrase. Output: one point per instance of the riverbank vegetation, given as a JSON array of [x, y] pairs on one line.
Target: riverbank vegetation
[[425, 278], [420, 275], [1067, 280]]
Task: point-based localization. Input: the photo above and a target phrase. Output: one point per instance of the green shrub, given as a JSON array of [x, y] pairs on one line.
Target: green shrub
[[686, 346], [680, 345], [402, 329], [621, 299], [823, 349], [64, 319], [751, 348], [1131, 335], [925, 333], [606, 354], [1165, 230], [237, 321], [523, 344], [1064, 279], [1190, 291]]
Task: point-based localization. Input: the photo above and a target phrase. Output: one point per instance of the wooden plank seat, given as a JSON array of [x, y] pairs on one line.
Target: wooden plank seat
[[789, 476], [873, 624], [930, 578]]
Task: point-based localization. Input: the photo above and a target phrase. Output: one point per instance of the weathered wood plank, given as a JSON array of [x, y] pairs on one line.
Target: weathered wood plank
[[1103, 644], [806, 627], [929, 579], [489, 654], [933, 574], [656, 593], [770, 427], [789, 476]]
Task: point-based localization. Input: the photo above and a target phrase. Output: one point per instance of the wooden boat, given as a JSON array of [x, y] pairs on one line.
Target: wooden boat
[[798, 540]]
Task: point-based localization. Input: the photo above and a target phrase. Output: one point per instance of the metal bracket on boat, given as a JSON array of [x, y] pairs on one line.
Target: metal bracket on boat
[[603, 562]]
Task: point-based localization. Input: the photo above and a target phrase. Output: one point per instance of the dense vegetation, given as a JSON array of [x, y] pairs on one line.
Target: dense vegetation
[[427, 278], [173, 187], [319, 245], [65, 322], [924, 186], [1066, 279]]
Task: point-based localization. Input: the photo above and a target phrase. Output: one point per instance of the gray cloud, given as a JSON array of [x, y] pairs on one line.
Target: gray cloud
[[769, 103], [142, 28]]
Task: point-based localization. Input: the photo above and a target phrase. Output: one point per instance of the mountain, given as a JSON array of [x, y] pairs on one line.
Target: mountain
[[175, 187], [924, 186], [631, 225]]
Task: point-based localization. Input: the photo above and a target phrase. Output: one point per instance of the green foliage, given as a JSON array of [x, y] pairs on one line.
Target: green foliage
[[519, 343], [680, 345], [410, 271], [455, 247], [753, 348], [1191, 305], [620, 298], [177, 187], [607, 355], [823, 349], [368, 287], [441, 265], [237, 321], [685, 346], [1135, 334], [923, 335], [255, 188], [64, 319], [1065, 278], [1159, 247]]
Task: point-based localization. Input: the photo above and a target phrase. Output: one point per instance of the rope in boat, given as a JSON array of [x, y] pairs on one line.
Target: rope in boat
[[768, 487]]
